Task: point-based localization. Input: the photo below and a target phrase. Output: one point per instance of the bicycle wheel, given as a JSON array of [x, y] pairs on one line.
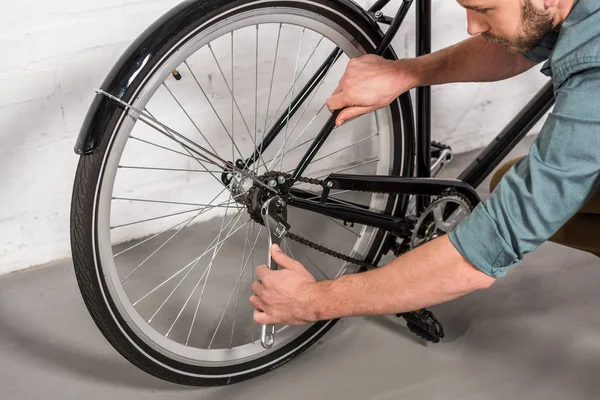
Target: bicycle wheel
[[164, 251]]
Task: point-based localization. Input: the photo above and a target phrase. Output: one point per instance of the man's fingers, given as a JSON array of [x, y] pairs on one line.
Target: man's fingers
[[257, 303], [282, 259], [262, 271], [262, 318], [336, 102], [258, 288], [351, 113]]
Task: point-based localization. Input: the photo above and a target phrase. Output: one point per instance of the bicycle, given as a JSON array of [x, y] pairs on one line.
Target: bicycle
[[144, 155]]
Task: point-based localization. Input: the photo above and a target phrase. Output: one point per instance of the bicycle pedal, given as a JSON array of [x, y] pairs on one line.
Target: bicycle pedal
[[424, 324]]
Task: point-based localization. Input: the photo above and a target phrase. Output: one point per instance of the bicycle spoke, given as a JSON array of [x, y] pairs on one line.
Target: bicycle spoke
[[206, 271], [205, 282], [344, 227], [195, 263], [164, 202], [256, 94], [271, 84], [162, 147], [232, 105], [337, 151], [169, 215], [343, 148], [198, 151], [168, 169], [294, 83], [317, 267], [160, 233], [186, 267], [287, 124], [163, 245], [231, 93], [350, 167], [314, 94], [237, 284], [189, 117], [237, 300], [209, 102]]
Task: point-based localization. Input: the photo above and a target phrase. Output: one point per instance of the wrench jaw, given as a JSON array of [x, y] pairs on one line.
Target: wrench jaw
[[273, 213]]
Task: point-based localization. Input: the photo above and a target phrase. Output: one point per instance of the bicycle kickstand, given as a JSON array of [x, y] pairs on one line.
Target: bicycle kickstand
[[277, 227]]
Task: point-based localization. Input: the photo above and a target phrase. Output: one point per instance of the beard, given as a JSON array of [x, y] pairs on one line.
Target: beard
[[536, 25]]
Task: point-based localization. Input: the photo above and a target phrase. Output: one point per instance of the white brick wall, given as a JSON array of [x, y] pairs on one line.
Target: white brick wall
[[55, 52]]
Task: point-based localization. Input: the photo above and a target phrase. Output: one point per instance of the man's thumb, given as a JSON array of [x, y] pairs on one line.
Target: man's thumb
[[282, 259], [350, 113]]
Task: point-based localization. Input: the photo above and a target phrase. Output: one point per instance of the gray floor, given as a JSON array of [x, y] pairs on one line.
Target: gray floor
[[534, 335]]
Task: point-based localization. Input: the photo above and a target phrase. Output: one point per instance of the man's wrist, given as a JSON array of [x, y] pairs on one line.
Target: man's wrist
[[410, 72]]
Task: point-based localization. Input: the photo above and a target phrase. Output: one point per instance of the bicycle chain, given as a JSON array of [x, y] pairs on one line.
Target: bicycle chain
[[306, 242]]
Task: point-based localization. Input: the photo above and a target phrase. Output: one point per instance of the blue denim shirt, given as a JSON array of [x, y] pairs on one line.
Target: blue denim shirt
[[541, 192]]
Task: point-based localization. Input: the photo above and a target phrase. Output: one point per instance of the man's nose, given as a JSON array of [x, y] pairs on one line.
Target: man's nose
[[475, 24]]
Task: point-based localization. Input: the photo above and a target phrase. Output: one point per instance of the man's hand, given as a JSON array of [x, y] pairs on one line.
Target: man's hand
[[286, 296], [370, 83]]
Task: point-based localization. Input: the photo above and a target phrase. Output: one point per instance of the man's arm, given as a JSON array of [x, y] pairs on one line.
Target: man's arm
[[472, 60], [431, 274], [371, 82]]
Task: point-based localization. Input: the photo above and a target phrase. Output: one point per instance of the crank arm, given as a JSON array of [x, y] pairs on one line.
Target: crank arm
[[277, 227]]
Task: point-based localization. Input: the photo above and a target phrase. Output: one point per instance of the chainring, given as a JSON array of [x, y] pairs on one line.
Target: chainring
[[437, 220]]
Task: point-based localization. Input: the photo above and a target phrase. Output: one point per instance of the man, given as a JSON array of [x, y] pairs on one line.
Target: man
[[534, 199]]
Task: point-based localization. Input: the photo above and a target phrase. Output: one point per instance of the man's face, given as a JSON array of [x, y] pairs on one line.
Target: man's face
[[519, 24]]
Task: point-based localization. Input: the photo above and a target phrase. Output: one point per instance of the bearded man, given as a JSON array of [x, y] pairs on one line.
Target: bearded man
[[547, 195]]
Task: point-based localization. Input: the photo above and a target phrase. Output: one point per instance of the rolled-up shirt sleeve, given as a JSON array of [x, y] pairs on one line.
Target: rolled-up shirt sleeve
[[542, 191]]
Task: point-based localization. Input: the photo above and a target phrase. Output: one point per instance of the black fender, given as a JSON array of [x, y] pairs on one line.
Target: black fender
[[149, 48]]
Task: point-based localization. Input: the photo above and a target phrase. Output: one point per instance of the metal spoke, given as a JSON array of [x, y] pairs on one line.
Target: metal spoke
[[344, 227], [272, 76], [301, 133], [237, 284], [169, 215], [160, 233], [237, 300], [350, 167], [162, 147], [165, 202], [187, 266], [206, 271], [205, 281], [256, 94], [168, 169], [344, 148], [318, 196], [143, 118], [162, 245], [209, 102], [231, 92], [314, 94], [186, 148], [232, 103], [317, 267], [294, 83], [287, 124], [189, 117], [339, 150]]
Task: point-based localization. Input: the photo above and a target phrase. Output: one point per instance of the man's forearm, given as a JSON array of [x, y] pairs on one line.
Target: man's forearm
[[472, 60], [431, 274]]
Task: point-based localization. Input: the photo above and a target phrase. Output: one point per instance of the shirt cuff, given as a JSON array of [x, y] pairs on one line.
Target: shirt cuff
[[478, 239]]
